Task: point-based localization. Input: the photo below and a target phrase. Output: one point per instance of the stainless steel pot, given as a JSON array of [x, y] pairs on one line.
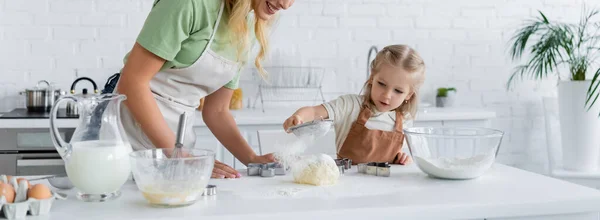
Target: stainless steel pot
[[41, 99]]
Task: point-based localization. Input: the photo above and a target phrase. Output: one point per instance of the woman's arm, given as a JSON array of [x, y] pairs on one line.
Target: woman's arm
[[134, 82], [219, 120]]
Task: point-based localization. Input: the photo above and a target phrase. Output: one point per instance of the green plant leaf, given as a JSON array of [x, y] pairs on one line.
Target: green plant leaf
[[593, 91]]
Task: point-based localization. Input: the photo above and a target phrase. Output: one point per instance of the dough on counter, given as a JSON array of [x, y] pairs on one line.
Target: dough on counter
[[316, 170]]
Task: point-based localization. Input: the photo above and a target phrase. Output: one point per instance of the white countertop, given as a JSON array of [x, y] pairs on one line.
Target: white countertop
[[407, 193], [272, 116]]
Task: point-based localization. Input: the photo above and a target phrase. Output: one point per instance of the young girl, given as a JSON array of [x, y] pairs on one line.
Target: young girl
[[368, 127]]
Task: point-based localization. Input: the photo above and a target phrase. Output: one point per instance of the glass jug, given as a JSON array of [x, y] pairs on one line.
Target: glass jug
[[97, 156]]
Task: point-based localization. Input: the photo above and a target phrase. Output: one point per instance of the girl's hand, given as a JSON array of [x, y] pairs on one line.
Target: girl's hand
[[292, 121], [403, 159]]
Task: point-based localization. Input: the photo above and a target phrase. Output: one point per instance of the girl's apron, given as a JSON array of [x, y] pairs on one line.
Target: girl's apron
[[364, 145]]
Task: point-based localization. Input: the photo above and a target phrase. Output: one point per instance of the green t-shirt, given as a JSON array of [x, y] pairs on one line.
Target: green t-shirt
[[179, 30]]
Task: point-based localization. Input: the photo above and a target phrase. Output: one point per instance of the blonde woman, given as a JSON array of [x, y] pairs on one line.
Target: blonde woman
[[188, 50], [368, 127]]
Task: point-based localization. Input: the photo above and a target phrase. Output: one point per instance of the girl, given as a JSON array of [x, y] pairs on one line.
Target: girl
[[188, 50], [368, 127]]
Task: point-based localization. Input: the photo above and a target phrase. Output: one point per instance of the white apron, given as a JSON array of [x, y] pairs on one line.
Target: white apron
[[179, 90]]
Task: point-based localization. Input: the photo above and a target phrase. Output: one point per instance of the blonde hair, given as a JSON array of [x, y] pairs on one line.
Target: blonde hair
[[406, 58], [238, 14]]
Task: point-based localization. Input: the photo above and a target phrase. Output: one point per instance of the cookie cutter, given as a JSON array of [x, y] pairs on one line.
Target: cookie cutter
[[210, 190], [375, 168], [343, 164], [266, 169]]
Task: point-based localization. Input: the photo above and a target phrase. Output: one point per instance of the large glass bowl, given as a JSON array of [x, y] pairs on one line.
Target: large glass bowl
[[172, 182], [453, 152]]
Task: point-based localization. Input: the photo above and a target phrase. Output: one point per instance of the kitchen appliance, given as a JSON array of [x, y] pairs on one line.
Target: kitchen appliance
[[72, 106], [97, 156], [30, 151], [41, 99]]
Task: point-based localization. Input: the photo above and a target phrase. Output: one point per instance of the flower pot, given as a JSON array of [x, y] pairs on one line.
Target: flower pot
[[446, 101], [580, 129]]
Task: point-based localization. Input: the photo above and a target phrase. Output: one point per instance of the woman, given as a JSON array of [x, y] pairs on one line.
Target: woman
[[187, 50]]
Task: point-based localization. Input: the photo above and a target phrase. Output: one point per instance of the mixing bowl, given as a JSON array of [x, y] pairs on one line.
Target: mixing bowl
[[172, 182], [453, 152]]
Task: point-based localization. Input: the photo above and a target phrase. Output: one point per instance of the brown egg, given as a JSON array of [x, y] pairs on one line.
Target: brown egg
[[23, 179], [8, 191], [39, 191]]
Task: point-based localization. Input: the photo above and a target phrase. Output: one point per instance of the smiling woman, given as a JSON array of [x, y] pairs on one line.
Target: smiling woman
[[188, 50]]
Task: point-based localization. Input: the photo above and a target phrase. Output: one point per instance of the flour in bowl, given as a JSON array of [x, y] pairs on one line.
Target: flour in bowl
[[456, 168]]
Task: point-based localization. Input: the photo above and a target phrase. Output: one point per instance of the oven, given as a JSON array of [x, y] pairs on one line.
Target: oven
[[30, 151]]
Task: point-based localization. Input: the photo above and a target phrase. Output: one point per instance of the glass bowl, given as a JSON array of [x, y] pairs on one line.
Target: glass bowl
[[453, 152], [172, 182]]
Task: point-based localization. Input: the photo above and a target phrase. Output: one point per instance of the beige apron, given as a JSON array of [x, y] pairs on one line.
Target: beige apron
[[364, 145], [179, 90]]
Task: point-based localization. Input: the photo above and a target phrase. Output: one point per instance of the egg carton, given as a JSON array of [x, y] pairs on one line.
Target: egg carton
[[24, 206]]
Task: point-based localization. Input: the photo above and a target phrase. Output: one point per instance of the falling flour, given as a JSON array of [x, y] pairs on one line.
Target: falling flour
[[456, 168]]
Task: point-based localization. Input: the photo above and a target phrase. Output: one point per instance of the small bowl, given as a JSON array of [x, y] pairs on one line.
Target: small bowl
[[172, 182], [453, 152]]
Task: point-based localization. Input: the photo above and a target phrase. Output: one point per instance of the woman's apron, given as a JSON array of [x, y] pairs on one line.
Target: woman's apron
[[180, 90], [364, 145]]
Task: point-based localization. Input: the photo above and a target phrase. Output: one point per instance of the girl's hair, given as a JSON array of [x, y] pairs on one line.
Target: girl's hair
[[238, 14], [406, 58]]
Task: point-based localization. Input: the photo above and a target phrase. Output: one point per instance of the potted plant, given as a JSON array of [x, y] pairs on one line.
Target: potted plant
[[556, 48], [445, 97]]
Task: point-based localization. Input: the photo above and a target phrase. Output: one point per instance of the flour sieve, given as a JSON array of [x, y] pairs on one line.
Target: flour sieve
[[313, 129]]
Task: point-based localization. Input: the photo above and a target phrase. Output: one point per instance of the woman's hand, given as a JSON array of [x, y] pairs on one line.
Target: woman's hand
[[292, 121], [403, 159], [221, 171], [267, 158]]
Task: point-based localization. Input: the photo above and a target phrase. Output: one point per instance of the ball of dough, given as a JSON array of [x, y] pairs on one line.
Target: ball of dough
[[316, 170]]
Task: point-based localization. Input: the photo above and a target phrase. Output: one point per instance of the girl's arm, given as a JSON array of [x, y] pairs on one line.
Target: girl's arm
[[304, 114]]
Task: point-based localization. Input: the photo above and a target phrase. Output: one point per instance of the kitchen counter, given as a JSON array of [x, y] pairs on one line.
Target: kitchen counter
[[250, 117], [503, 193]]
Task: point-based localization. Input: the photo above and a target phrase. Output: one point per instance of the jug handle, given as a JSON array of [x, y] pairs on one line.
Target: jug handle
[[63, 148]]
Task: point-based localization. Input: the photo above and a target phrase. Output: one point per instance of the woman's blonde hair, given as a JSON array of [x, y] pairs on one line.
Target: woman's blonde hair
[[238, 23], [406, 58]]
